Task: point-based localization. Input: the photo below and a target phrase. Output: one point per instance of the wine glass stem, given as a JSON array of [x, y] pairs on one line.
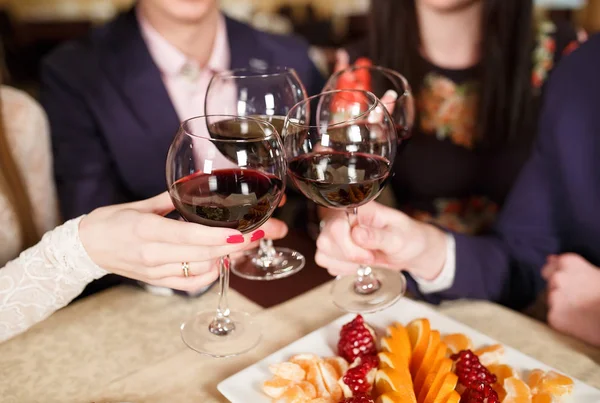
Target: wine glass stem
[[266, 249], [222, 325], [366, 282]]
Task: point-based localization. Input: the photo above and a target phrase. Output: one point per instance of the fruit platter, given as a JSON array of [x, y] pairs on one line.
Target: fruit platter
[[408, 353]]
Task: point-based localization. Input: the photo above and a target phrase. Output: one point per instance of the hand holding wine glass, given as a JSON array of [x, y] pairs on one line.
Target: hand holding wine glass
[[225, 171], [342, 160]]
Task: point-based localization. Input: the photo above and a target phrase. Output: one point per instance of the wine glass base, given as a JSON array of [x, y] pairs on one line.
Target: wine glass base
[[285, 263], [393, 287], [244, 337]]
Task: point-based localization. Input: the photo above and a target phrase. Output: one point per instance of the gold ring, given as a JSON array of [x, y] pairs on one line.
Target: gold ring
[[185, 266]]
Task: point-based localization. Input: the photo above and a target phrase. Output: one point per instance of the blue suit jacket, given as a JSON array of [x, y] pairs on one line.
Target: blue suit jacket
[[111, 118], [554, 206]]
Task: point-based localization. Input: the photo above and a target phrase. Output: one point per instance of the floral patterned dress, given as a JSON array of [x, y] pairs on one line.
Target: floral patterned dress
[[439, 176]]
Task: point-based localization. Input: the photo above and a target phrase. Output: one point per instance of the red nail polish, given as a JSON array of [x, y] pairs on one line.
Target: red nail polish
[[235, 239], [257, 235]]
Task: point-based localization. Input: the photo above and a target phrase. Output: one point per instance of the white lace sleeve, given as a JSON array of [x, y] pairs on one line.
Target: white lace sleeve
[[44, 278]]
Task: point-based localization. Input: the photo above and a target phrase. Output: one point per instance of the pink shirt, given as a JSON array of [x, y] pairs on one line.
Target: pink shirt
[[186, 81]]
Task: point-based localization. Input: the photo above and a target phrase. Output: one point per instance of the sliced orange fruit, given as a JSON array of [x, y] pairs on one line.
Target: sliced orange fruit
[[276, 387], [454, 397], [393, 397], [489, 355], [457, 342], [294, 394], [391, 360], [534, 379], [389, 380], [418, 333], [502, 371], [429, 366], [542, 398], [442, 388], [517, 391], [401, 344], [443, 367], [556, 384], [430, 351]]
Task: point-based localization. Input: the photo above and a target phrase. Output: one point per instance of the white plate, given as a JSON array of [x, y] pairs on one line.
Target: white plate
[[245, 386]]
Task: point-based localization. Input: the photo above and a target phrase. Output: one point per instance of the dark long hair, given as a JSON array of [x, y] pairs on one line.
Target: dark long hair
[[506, 112]]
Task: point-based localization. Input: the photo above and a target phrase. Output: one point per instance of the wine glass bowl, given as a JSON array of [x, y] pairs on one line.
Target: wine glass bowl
[[379, 80], [225, 171], [341, 146], [266, 94]]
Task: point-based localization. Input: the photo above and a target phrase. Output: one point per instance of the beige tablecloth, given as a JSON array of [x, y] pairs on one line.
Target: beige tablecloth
[[123, 345]]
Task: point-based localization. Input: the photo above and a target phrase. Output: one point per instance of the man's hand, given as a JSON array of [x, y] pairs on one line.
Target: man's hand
[[574, 296], [384, 237]]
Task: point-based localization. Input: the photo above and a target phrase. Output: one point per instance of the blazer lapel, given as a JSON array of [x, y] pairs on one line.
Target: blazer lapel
[[129, 64]]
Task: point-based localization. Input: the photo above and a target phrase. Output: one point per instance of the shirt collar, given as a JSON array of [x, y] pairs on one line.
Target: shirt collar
[[171, 61]]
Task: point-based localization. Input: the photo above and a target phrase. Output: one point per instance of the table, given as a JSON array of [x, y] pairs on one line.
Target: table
[[123, 345]]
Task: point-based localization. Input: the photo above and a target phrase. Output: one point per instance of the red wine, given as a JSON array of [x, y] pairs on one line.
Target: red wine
[[339, 179], [242, 199]]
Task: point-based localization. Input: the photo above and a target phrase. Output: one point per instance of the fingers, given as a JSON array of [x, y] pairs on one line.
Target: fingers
[[377, 215], [334, 266], [274, 229], [189, 284], [159, 254], [389, 101], [550, 267], [342, 60], [163, 230], [160, 204], [376, 239], [335, 241], [175, 269]]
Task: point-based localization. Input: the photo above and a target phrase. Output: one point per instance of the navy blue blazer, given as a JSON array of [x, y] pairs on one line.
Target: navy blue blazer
[[554, 206], [110, 114]]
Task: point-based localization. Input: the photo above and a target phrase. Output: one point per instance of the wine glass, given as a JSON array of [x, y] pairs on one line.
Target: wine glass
[[342, 160], [266, 94], [225, 171], [379, 80]]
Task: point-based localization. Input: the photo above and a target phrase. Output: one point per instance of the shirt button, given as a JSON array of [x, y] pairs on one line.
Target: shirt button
[[190, 72]]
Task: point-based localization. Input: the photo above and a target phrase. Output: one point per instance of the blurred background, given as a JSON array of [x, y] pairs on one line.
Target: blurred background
[[31, 28]]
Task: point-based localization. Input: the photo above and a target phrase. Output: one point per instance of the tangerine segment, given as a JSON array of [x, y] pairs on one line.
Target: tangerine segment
[[418, 333], [542, 398], [429, 366], [443, 367], [454, 397], [457, 342], [442, 388], [294, 394], [556, 384], [276, 387], [395, 380], [517, 391], [401, 342], [489, 355], [534, 379], [502, 371]]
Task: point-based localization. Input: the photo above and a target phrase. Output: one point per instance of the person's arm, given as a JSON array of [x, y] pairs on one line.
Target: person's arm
[[86, 177], [133, 240], [43, 279]]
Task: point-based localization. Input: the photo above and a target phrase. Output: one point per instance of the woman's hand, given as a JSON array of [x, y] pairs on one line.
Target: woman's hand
[[135, 240], [573, 296], [385, 237]]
